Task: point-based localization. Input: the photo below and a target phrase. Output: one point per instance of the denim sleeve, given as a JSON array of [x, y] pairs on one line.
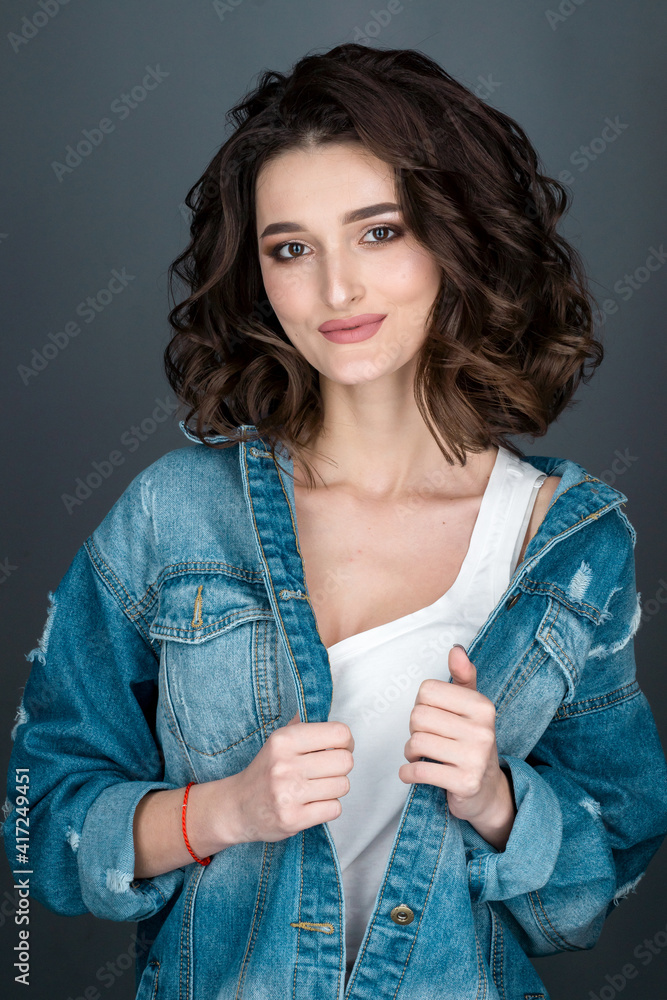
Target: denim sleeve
[[86, 733], [591, 799]]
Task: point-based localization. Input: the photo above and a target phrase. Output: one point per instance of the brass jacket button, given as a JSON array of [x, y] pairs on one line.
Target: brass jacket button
[[512, 601], [402, 914]]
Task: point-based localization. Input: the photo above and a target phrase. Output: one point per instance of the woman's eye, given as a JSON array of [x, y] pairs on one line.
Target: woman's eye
[[381, 229], [276, 252]]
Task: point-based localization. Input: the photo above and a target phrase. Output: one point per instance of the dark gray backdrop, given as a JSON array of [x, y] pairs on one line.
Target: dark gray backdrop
[[585, 79]]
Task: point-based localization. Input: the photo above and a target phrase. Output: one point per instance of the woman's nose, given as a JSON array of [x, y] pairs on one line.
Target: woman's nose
[[340, 281]]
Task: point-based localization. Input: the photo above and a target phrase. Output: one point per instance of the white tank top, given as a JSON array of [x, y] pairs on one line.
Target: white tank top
[[376, 675]]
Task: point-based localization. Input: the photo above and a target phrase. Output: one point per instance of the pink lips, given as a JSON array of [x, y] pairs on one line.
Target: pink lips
[[352, 329]]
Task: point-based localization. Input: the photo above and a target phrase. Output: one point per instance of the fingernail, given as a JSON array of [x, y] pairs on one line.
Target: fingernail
[[460, 646]]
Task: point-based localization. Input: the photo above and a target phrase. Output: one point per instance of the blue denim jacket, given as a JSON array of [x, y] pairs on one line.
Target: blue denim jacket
[[182, 635]]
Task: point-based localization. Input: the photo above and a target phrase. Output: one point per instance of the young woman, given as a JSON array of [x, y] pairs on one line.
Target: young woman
[[342, 701]]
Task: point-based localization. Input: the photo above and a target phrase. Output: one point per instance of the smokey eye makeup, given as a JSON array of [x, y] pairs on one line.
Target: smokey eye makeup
[[276, 252]]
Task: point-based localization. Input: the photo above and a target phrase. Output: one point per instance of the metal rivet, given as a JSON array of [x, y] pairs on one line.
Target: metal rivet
[[402, 914], [512, 601]]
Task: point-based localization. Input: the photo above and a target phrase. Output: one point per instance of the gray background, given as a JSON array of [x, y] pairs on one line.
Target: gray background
[[560, 75]]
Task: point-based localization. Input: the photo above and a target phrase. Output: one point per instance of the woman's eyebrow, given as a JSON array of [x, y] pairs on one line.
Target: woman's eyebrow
[[356, 215]]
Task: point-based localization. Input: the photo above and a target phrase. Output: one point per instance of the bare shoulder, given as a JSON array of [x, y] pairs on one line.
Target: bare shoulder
[[540, 507], [544, 497]]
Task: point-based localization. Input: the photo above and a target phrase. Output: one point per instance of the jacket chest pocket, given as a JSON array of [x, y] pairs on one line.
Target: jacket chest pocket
[[219, 665], [548, 646]]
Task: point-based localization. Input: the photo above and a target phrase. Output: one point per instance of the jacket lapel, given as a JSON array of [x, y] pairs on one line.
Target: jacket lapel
[[519, 650], [269, 494]]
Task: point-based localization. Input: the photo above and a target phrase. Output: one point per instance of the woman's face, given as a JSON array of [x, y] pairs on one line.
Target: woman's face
[[332, 248]]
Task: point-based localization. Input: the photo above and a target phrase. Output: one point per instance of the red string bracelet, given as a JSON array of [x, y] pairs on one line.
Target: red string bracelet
[[202, 861]]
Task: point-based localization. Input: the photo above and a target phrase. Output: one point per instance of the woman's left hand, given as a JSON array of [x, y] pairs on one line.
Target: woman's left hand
[[455, 724]]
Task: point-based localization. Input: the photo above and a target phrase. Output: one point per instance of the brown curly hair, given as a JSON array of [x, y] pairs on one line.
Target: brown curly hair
[[510, 332]]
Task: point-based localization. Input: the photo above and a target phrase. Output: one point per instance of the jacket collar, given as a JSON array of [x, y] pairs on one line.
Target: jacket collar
[[578, 498], [579, 495], [212, 438]]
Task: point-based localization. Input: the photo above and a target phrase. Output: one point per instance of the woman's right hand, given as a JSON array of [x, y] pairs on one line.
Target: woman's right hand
[[293, 783]]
